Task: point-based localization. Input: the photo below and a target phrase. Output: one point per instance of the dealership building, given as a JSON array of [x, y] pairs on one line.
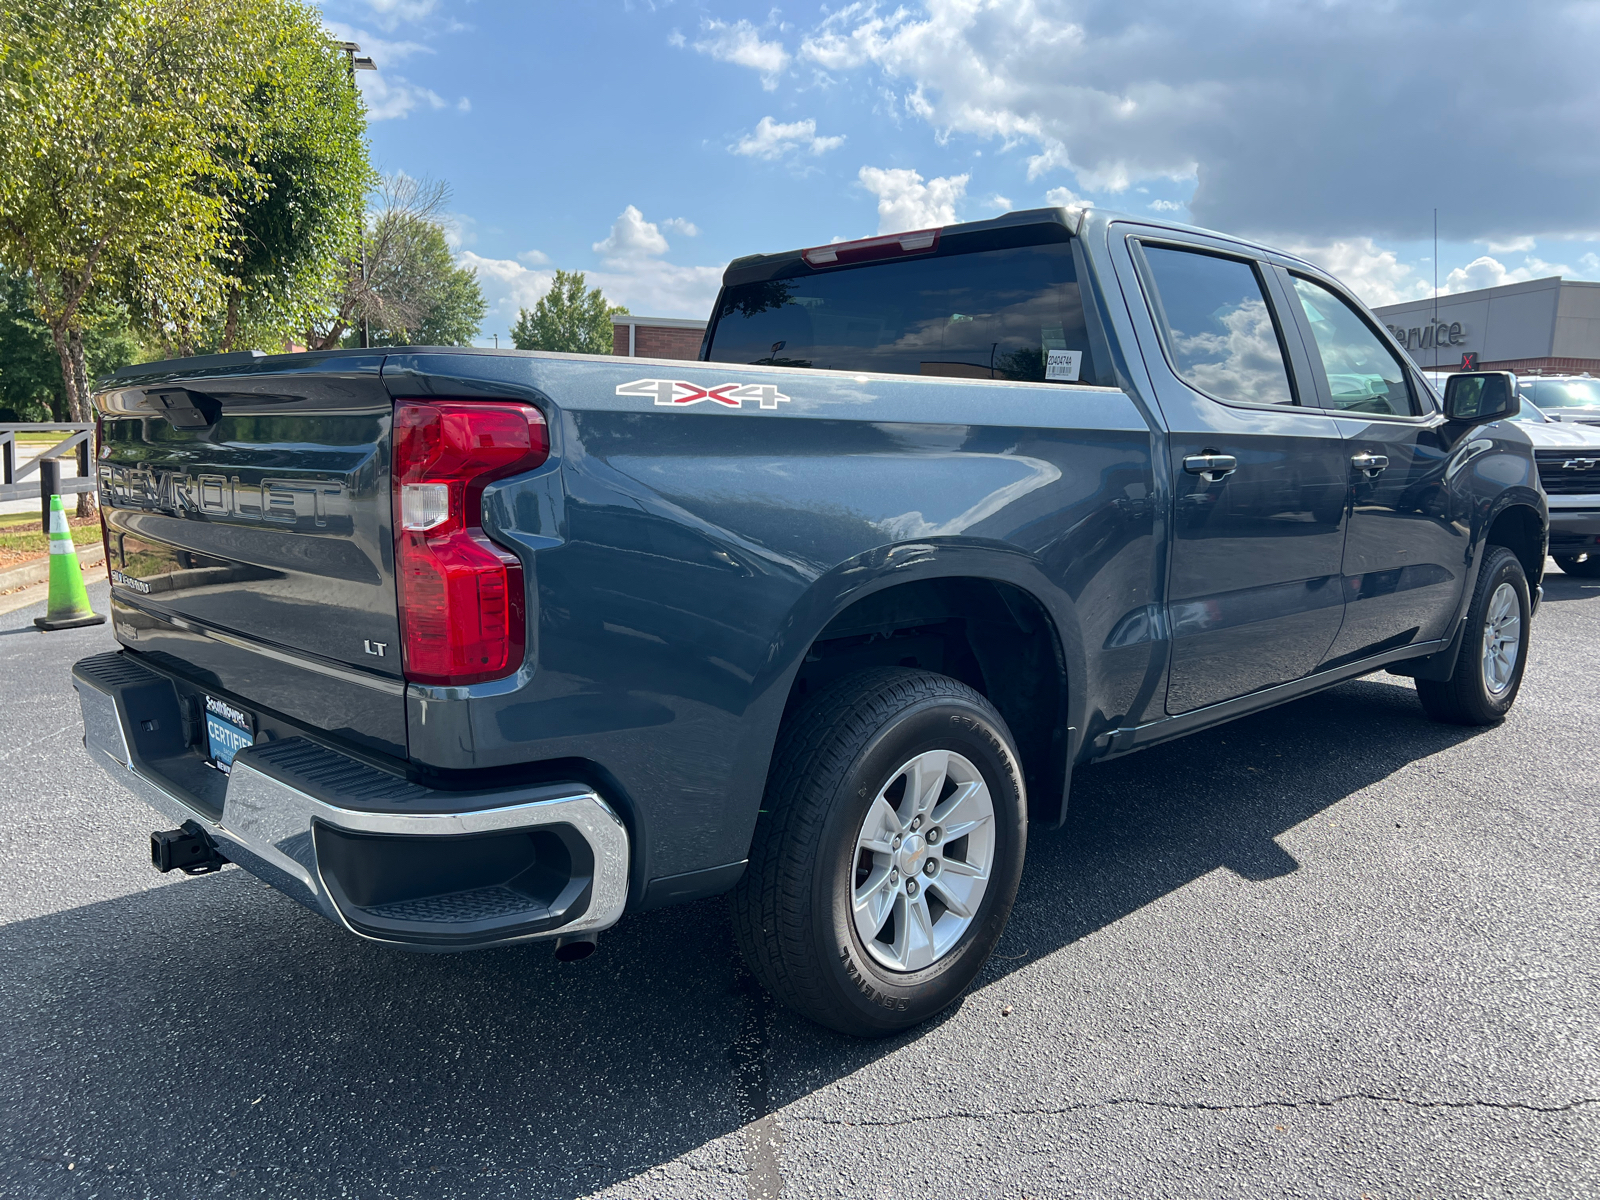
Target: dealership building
[[1545, 326]]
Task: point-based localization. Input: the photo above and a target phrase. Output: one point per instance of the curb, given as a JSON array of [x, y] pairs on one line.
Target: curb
[[38, 571]]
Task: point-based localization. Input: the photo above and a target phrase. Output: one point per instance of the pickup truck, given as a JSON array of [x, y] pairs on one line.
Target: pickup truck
[[464, 648], [1568, 454]]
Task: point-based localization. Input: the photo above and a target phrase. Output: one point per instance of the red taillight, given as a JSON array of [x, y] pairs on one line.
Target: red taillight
[[894, 245], [461, 611]]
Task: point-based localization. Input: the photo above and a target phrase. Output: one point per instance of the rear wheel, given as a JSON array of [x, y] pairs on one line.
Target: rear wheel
[[1585, 566], [888, 854], [1494, 648]]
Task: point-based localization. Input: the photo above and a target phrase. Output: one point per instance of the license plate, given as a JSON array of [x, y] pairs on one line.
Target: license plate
[[228, 730]]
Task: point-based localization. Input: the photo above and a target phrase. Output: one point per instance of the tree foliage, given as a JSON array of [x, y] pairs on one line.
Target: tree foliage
[[111, 115], [570, 317], [200, 164], [408, 286], [295, 228], [31, 385]]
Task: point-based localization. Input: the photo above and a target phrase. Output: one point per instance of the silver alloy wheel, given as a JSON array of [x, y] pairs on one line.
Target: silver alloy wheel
[[922, 860], [1502, 639]]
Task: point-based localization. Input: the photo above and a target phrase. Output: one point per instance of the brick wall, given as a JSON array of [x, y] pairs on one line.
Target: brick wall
[[658, 341], [1524, 366]]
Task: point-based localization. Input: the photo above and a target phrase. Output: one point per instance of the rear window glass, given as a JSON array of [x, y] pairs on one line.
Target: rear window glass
[[1563, 393], [989, 314]]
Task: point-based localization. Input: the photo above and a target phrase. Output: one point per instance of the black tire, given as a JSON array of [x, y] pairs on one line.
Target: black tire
[[1584, 566], [792, 908], [1466, 698]]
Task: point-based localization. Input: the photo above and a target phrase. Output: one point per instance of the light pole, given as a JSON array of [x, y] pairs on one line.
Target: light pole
[[351, 49]]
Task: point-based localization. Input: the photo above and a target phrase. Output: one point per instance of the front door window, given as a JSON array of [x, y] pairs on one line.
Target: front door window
[[1363, 374]]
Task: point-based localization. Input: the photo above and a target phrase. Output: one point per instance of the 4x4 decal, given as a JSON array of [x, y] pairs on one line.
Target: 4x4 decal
[[676, 393]]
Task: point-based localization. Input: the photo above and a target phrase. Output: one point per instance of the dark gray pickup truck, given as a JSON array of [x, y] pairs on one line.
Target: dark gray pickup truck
[[462, 648]]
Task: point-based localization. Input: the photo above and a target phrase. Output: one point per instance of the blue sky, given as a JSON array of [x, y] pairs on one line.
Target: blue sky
[[648, 143]]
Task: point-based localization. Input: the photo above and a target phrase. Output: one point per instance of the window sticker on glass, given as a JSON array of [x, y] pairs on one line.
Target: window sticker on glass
[[1063, 365]]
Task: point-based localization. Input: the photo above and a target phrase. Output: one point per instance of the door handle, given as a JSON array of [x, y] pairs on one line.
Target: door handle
[[1211, 466], [1370, 463]]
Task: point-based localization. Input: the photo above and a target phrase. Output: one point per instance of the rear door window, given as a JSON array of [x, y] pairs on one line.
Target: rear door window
[[984, 314], [1219, 331]]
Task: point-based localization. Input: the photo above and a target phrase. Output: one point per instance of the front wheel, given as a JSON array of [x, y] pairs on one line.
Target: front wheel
[[888, 853], [1494, 648], [1584, 566]]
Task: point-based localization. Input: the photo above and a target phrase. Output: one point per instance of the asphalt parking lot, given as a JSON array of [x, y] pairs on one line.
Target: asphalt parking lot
[[1330, 951]]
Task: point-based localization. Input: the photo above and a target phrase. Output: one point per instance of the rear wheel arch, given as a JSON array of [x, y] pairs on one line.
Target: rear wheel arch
[[994, 635]]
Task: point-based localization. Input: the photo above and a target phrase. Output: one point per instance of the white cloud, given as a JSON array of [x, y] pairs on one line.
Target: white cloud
[[460, 230], [1170, 206], [1486, 272], [386, 53], [773, 140], [507, 285], [648, 286], [1590, 263], [1371, 272], [680, 225], [998, 202], [740, 43], [389, 13], [1124, 94], [659, 289], [1062, 197], [1518, 245], [390, 96], [631, 238], [906, 202]]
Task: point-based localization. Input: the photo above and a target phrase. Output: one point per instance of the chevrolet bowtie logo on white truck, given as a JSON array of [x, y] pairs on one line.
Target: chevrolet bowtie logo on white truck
[[677, 393]]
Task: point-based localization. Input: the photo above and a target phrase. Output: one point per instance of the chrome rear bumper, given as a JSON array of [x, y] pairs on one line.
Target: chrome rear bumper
[[389, 860]]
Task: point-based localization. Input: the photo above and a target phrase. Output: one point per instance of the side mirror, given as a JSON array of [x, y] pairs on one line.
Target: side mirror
[[1480, 396]]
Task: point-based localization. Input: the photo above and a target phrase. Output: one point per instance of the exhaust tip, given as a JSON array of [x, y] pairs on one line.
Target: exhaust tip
[[575, 948]]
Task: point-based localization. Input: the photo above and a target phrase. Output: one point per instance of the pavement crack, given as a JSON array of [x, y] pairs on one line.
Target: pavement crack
[[1200, 1106], [760, 1133]]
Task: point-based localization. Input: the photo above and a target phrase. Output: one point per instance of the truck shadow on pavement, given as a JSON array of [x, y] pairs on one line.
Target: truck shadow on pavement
[[211, 1035]]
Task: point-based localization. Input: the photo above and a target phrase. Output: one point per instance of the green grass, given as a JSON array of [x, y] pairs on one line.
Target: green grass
[[22, 539]]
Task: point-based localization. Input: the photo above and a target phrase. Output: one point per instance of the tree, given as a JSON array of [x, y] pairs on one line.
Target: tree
[[407, 286], [293, 233], [570, 317], [31, 387], [123, 130], [426, 300]]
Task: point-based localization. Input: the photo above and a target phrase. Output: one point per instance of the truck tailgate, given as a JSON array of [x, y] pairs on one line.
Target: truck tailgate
[[249, 525]]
